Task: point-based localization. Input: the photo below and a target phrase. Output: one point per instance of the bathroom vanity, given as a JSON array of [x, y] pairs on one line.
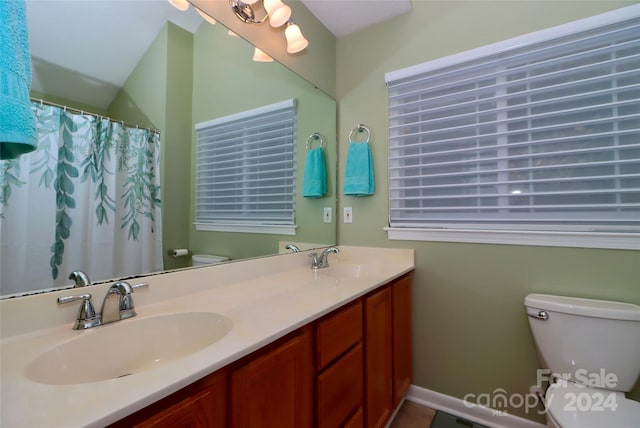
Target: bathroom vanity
[[328, 347]]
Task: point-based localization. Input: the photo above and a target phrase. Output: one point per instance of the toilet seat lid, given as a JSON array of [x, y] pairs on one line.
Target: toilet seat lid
[[572, 405]]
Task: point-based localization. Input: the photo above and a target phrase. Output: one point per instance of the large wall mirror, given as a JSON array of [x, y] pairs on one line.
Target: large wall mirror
[[190, 71]]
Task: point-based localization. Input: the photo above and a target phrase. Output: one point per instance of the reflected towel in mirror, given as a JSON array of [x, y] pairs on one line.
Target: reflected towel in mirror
[[315, 174]]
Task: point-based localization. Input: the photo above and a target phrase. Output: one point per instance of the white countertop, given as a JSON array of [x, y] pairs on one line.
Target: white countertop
[[265, 298]]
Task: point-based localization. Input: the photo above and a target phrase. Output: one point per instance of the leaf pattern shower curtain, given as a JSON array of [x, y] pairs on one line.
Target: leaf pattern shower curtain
[[88, 198]]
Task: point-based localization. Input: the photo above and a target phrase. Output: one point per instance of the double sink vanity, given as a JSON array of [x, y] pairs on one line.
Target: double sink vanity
[[262, 342]]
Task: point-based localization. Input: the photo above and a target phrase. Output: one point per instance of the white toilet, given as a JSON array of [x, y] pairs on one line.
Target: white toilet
[[592, 348]]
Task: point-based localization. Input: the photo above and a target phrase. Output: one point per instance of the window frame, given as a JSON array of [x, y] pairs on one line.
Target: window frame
[[497, 234]]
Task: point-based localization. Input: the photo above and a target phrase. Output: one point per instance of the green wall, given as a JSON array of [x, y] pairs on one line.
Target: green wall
[[470, 331], [225, 81], [157, 94]]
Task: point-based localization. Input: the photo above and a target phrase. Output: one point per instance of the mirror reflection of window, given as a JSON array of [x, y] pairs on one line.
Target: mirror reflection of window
[[246, 171]]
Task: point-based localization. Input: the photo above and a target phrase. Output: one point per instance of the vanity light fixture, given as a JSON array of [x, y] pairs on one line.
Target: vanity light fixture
[[180, 4], [259, 56], [278, 13], [295, 40]]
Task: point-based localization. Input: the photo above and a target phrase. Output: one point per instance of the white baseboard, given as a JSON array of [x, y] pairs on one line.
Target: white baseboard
[[457, 407]]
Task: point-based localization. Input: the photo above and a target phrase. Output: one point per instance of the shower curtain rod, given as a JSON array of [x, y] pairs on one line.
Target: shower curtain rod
[[83, 112]]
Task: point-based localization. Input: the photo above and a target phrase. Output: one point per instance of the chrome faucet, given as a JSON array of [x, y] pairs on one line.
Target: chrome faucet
[[117, 305], [80, 278], [292, 247], [322, 261]]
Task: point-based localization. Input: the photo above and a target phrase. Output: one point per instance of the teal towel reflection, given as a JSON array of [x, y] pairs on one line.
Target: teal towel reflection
[[315, 174]]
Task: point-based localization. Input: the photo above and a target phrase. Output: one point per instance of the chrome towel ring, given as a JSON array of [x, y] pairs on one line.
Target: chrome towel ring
[[314, 137], [357, 130]]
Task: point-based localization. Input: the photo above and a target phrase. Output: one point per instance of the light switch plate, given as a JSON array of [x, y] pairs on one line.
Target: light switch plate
[[348, 214], [327, 214]]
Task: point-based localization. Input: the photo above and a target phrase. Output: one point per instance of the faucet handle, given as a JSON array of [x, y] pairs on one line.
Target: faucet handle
[[87, 316], [80, 278], [141, 285]]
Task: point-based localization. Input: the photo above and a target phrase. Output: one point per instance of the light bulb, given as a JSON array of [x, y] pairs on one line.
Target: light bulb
[[279, 13], [206, 17], [295, 40], [260, 56], [180, 4]]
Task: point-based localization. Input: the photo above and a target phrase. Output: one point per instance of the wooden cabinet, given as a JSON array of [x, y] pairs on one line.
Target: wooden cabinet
[[193, 412], [275, 389], [357, 420], [353, 364], [378, 357], [200, 405], [336, 333], [387, 329], [339, 362], [340, 390], [401, 297]]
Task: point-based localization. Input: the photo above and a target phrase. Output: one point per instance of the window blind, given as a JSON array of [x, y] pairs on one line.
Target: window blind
[[543, 135], [246, 167]]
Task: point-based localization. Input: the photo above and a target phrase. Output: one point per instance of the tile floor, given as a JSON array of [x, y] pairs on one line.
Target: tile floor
[[413, 415]]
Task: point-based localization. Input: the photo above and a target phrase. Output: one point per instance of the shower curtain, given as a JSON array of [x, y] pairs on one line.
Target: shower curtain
[[87, 199]]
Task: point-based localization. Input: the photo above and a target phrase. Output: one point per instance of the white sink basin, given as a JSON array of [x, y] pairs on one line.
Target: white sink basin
[[128, 347]]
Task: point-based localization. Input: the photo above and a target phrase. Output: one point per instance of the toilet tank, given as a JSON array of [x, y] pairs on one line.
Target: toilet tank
[[587, 340]]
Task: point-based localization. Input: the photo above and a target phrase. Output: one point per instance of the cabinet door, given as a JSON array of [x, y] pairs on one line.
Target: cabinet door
[[275, 389], [199, 405], [401, 290], [198, 411], [378, 358]]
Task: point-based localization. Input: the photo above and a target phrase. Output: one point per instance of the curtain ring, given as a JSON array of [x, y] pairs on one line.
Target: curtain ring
[[358, 129], [313, 137]]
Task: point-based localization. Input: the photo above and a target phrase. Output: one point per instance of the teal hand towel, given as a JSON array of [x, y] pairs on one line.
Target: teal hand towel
[[315, 174], [17, 123], [358, 177]]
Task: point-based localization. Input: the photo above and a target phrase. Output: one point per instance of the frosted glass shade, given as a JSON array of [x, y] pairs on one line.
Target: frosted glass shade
[[206, 17], [279, 13], [180, 4], [260, 56], [295, 40]]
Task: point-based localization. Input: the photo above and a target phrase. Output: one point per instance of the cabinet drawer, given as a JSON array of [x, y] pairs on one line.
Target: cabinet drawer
[[337, 333], [340, 389]]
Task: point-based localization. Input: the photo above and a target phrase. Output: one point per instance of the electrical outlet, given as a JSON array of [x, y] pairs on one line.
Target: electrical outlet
[[348, 215], [327, 214]]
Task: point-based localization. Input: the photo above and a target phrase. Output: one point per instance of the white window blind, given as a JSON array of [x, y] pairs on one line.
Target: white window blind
[[537, 133], [246, 168]]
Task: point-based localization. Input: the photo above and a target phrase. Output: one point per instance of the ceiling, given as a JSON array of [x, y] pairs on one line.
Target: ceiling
[[85, 58], [343, 17]]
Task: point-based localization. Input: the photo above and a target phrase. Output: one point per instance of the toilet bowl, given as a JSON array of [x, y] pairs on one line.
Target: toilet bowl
[[592, 349], [571, 405]]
